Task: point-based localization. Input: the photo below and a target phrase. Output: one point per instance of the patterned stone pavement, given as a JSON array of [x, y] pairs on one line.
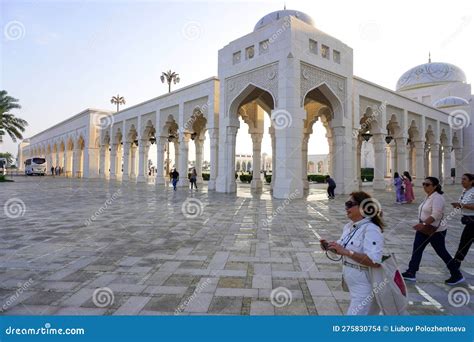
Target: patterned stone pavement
[[81, 247]]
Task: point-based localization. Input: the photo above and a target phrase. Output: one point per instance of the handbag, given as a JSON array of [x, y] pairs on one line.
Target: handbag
[[388, 287], [427, 229]]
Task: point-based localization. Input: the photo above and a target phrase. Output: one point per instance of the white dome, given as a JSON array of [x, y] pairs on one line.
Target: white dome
[[430, 74], [277, 15], [451, 101]]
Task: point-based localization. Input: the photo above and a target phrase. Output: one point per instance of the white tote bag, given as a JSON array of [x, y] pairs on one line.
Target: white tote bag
[[389, 287]]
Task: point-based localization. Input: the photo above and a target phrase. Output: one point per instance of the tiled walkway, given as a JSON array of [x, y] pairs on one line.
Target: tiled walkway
[[103, 248]]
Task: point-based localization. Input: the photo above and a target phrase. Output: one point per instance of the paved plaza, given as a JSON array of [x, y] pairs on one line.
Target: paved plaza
[[90, 247]]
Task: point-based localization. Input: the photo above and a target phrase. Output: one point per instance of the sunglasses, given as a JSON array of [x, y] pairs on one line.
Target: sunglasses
[[426, 184], [350, 204]]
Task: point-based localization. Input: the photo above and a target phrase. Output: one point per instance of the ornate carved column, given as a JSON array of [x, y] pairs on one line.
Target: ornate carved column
[[357, 145], [141, 160], [102, 161], [183, 158], [160, 155], [401, 155], [458, 166], [434, 170], [176, 154], [126, 161], [75, 162], [274, 153], [199, 145], [420, 162], [214, 140], [256, 161], [113, 161], [379, 161], [338, 160], [447, 164], [133, 163], [304, 157]]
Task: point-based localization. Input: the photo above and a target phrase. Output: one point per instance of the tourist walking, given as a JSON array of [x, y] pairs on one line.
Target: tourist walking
[[193, 179], [331, 187], [408, 184], [52, 170], [430, 215], [174, 178], [466, 205], [398, 183], [360, 246]]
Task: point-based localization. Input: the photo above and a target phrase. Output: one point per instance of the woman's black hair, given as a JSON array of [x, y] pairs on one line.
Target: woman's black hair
[[396, 175], [407, 175], [436, 184]]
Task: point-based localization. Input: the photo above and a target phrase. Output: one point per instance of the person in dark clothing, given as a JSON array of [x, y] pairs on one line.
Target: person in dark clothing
[[466, 207], [331, 187], [174, 178], [193, 179], [52, 170]]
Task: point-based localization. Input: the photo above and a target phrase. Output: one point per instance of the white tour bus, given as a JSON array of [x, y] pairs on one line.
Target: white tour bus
[[35, 166], [3, 166]]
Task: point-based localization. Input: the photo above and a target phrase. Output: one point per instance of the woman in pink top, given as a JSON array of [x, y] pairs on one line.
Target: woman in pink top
[[407, 182]]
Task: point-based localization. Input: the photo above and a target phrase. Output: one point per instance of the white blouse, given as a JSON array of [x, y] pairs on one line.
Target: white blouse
[[433, 206], [367, 238]]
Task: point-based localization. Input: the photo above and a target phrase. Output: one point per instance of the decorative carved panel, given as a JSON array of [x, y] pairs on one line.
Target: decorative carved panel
[[312, 76], [265, 77]]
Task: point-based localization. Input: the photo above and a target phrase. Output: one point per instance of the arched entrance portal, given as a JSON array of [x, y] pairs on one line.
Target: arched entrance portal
[[250, 105], [321, 104]]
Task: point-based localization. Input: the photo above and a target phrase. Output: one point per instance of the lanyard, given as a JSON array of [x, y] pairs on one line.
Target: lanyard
[[351, 235]]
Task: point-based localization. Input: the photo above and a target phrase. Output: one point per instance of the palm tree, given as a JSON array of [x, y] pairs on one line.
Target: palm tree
[[8, 156], [8, 122], [169, 77], [118, 100]]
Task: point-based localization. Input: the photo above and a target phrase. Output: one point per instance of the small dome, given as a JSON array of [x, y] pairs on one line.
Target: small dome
[[277, 15], [450, 101], [430, 74]]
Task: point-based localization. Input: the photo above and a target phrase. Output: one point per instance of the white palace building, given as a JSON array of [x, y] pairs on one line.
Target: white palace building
[[287, 69]]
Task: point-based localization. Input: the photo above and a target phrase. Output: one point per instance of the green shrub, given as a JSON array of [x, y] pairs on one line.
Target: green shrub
[[367, 174], [245, 178], [268, 179], [206, 176], [317, 178]]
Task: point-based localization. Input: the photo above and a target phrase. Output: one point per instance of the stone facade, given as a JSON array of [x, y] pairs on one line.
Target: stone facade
[[288, 69]]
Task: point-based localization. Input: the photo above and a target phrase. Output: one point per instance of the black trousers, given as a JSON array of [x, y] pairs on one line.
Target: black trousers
[[331, 191], [466, 239], [437, 241]]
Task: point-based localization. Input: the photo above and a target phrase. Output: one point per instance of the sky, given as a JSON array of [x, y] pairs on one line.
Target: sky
[[61, 57]]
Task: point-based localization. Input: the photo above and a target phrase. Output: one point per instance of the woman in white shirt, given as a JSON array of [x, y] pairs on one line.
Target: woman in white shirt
[[430, 212], [466, 205], [361, 246]]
